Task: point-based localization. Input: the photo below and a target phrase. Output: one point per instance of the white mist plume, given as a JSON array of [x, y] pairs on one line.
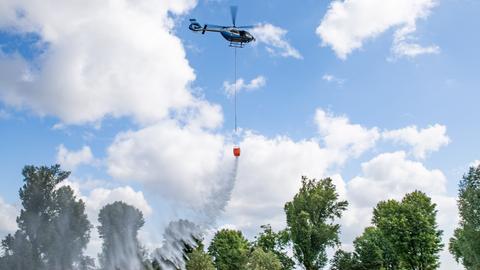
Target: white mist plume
[[182, 233], [219, 197], [178, 235]]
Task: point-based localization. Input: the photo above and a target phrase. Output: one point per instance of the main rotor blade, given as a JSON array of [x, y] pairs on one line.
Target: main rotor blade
[[246, 26], [233, 12]]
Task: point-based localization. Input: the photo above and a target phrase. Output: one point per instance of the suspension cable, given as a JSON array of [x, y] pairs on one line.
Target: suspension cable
[[235, 91]]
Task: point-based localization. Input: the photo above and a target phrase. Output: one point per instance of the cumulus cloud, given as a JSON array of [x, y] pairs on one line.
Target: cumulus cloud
[[339, 134], [71, 159], [241, 85], [274, 39], [97, 197], [349, 23], [100, 197], [8, 222], [422, 141], [178, 161], [118, 58], [391, 175]]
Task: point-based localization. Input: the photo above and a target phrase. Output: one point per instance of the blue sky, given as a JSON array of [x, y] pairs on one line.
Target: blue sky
[[125, 85]]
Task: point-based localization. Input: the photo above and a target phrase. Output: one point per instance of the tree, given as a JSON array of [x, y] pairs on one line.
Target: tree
[[411, 228], [343, 260], [261, 260], [277, 243], [465, 244], [310, 221], [199, 260], [229, 250], [373, 251], [53, 227], [18, 252], [119, 225]]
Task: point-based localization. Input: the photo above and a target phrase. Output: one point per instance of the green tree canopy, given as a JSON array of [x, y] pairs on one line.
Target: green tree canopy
[[465, 244], [261, 260], [343, 260], [229, 250], [410, 227], [119, 225], [277, 243], [310, 221], [374, 251], [53, 227], [199, 260]]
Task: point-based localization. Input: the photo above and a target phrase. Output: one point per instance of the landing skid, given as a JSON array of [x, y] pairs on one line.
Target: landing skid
[[236, 45]]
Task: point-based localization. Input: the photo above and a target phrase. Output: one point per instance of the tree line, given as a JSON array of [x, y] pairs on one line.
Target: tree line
[[53, 232]]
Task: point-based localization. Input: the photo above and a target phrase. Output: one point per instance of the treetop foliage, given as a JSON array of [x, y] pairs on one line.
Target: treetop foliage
[[465, 243], [229, 250], [310, 221]]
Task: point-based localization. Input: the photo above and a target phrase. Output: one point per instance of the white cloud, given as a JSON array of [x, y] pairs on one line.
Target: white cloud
[[422, 141], [274, 38], [71, 159], [404, 45], [241, 85], [391, 175], [349, 23], [8, 214], [180, 162], [339, 134], [100, 197], [97, 197], [333, 79], [117, 58]]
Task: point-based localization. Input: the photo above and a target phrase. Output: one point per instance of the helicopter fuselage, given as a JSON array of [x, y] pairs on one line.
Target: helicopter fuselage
[[237, 35], [231, 33]]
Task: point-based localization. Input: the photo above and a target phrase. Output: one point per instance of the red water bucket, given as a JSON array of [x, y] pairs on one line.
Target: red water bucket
[[236, 151]]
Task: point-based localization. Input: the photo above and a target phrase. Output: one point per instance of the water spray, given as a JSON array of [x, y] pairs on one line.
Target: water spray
[[184, 233]]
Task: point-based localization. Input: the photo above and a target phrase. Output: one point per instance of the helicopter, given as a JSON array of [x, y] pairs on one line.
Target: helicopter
[[236, 35]]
